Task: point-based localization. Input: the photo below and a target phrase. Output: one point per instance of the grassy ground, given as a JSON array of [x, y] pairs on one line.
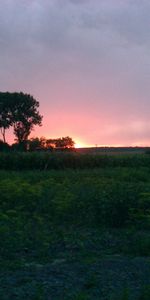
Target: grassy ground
[[24, 161], [75, 234]]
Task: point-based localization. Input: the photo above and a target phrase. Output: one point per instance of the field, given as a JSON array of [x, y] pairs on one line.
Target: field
[[74, 227]]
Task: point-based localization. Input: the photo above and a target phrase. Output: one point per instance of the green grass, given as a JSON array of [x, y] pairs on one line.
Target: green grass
[[60, 161], [74, 216], [33, 205]]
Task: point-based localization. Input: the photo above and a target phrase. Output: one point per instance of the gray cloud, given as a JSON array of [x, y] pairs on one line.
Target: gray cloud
[[95, 52]]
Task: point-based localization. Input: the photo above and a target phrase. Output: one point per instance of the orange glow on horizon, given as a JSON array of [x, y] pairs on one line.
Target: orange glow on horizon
[[79, 144]]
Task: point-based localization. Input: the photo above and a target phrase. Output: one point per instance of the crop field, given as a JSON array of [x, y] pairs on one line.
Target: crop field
[[113, 150], [74, 227]]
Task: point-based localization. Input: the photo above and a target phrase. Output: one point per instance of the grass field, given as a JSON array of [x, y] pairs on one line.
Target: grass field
[[43, 161], [76, 229]]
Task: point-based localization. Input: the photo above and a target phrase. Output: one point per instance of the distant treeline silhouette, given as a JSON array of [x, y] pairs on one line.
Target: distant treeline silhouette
[[40, 144]]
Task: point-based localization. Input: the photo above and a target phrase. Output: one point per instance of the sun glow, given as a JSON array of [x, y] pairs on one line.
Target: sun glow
[[79, 144]]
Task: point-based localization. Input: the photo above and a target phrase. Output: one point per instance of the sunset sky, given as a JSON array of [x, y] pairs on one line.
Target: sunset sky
[[86, 61]]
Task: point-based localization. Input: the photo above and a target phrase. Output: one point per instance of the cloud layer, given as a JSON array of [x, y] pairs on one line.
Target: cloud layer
[[87, 62]]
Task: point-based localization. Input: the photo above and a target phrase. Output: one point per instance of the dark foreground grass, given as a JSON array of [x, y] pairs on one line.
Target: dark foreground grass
[[75, 234], [73, 160]]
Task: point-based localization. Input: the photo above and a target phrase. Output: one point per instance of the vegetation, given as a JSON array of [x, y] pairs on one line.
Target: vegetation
[[20, 111], [73, 219], [105, 198], [50, 144], [73, 226], [73, 160]]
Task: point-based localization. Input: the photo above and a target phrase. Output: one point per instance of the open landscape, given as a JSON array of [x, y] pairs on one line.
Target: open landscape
[[74, 150], [75, 229]]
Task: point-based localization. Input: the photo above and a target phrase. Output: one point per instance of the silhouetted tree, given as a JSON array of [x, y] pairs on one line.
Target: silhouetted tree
[[25, 116], [20, 111], [62, 143], [5, 113], [65, 142], [51, 143], [36, 143]]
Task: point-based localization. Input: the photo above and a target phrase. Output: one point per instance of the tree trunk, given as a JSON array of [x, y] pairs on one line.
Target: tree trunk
[[3, 134]]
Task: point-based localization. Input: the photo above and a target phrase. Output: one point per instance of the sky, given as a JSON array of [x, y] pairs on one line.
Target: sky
[[87, 62]]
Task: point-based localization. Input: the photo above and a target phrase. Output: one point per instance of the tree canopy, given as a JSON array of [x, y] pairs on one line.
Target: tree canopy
[[62, 143], [20, 111], [42, 143]]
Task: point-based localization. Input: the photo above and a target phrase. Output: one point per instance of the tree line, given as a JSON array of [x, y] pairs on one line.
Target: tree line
[[20, 112], [50, 144]]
